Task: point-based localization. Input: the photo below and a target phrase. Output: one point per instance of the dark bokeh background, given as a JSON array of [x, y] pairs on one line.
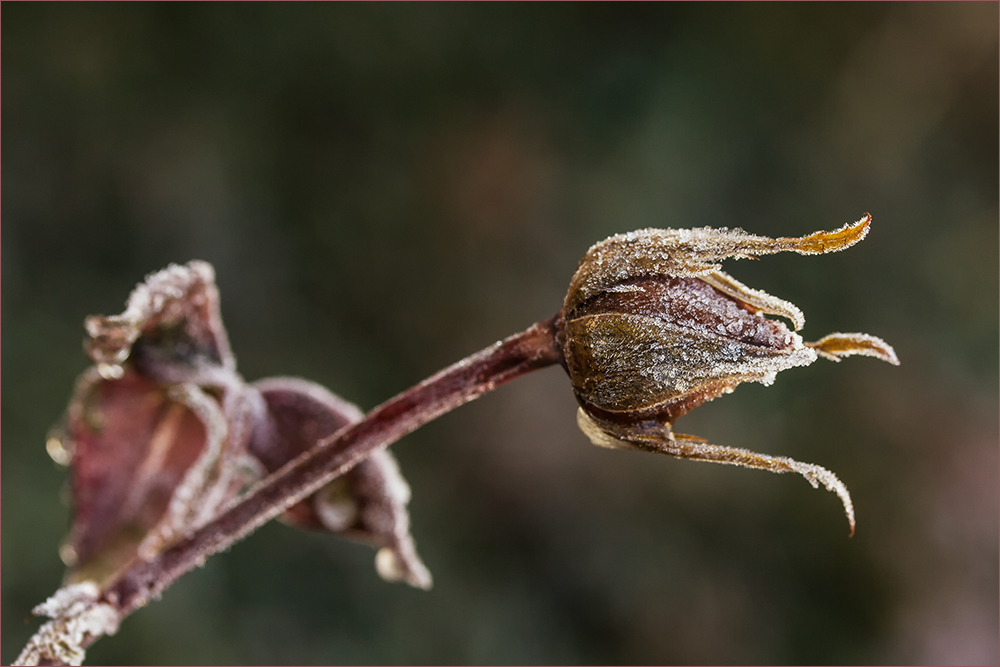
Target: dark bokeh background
[[384, 189]]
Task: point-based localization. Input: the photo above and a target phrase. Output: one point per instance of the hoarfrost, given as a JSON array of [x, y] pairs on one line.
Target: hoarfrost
[[77, 620]]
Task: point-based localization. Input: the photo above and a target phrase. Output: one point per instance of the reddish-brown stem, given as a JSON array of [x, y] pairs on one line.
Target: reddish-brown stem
[[460, 383]]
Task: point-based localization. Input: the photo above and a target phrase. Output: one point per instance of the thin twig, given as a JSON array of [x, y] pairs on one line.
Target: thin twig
[[460, 383]]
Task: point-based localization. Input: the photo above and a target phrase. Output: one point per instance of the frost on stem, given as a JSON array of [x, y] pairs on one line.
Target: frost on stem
[[77, 619], [654, 328]]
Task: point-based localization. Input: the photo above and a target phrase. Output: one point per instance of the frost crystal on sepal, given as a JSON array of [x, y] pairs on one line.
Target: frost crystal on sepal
[[836, 346], [664, 441], [690, 253]]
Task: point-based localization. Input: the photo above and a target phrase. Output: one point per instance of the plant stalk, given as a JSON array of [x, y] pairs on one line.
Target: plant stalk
[[460, 383]]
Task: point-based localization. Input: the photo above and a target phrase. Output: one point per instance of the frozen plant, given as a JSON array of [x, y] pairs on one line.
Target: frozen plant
[[174, 456]]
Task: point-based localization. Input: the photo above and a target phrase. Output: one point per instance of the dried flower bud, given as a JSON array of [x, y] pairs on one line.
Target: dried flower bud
[[653, 328]]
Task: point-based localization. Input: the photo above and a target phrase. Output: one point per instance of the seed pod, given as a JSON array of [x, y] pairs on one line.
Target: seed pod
[[652, 329]]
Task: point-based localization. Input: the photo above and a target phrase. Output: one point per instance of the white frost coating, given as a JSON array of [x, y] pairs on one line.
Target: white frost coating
[[764, 302], [684, 447], [675, 357], [626, 288], [694, 253], [240, 406], [155, 297], [194, 496], [77, 619], [818, 475], [836, 346], [67, 600], [348, 411]]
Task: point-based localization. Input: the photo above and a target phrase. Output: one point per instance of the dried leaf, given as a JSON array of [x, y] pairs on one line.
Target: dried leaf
[[171, 329], [156, 428], [368, 504], [133, 445], [162, 432]]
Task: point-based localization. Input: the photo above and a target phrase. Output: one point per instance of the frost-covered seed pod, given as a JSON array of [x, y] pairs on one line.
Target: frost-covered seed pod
[[652, 328]]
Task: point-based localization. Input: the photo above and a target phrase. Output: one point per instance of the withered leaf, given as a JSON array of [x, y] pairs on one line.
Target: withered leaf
[[171, 328], [133, 445], [368, 504], [150, 427], [158, 434]]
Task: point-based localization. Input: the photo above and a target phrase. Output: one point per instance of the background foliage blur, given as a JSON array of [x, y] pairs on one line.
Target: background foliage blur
[[384, 189]]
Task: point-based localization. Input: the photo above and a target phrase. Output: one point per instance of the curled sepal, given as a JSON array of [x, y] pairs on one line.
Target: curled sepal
[[758, 300], [836, 346], [171, 328], [660, 438], [682, 253], [367, 504], [77, 620]]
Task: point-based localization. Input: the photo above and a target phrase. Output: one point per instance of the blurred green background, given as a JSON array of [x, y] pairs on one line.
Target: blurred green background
[[384, 189]]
